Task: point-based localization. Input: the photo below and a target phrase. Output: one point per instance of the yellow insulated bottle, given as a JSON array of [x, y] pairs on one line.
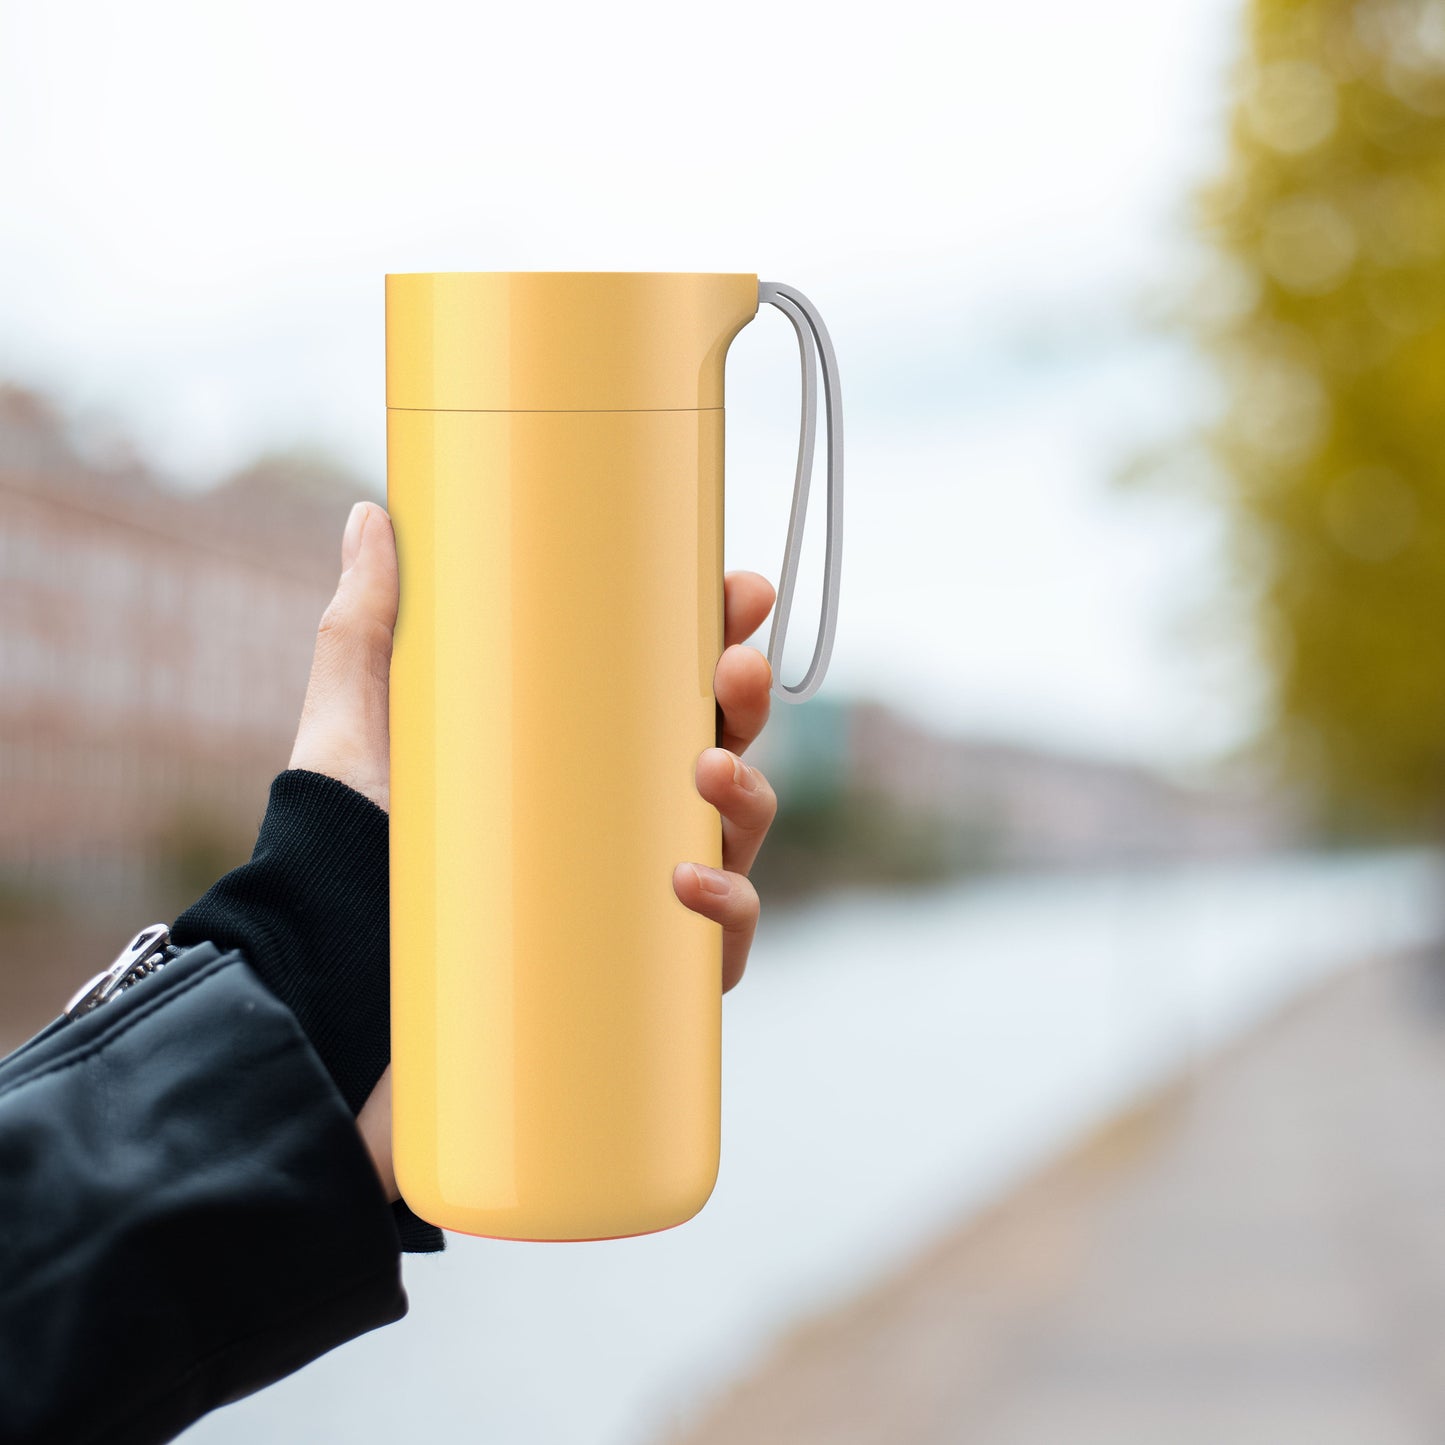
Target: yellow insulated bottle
[[555, 478]]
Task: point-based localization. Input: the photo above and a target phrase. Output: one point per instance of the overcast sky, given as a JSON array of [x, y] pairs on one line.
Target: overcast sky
[[199, 202]]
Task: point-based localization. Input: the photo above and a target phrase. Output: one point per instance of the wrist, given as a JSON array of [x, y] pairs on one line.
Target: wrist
[[374, 1126], [310, 911]]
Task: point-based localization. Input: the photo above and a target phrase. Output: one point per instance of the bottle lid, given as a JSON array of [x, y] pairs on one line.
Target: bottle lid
[[562, 340]]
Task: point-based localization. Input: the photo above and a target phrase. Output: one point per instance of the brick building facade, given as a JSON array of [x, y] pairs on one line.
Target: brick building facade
[[154, 648]]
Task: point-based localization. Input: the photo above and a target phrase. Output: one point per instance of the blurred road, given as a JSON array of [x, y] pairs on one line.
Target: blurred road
[[896, 1063], [1256, 1257]]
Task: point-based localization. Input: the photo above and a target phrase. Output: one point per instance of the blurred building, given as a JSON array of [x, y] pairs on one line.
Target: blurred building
[[154, 650], [1006, 805]]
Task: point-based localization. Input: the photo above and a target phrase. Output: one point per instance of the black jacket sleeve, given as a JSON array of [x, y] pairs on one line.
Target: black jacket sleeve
[[187, 1212]]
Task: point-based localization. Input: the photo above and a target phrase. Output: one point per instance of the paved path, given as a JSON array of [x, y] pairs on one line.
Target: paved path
[[1257, 1259]]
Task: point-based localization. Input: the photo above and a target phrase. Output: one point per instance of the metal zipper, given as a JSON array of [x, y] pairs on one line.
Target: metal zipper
[[148, 952]]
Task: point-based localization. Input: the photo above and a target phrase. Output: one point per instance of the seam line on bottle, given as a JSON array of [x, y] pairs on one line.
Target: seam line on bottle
[[550, 410]]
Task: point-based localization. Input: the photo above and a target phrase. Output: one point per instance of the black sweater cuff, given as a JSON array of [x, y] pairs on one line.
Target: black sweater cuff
[[311, 913]]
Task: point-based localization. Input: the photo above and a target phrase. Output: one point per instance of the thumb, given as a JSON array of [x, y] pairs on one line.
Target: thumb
[[343, 731]]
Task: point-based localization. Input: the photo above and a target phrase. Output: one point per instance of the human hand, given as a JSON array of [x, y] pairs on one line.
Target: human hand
[[344, 734]]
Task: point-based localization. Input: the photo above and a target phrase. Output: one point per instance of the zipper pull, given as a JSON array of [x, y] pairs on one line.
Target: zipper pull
[[143, 955]]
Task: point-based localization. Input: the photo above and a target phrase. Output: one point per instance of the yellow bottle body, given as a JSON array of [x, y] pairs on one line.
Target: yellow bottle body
[[556, 1011]]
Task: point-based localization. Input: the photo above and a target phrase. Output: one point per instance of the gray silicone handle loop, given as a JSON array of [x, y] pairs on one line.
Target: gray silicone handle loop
[[814, 343]]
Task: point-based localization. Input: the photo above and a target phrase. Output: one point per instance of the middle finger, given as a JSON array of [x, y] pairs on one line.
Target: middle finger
[[742, 683]]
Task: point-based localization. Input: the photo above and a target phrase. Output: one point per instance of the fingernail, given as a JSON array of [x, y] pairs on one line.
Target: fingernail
[[710, 880], [351, 538], [743, 775]]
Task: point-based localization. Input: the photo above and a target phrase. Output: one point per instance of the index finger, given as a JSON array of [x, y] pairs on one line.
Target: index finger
[[747, 600]]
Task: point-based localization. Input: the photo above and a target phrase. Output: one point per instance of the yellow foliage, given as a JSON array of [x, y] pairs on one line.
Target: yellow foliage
[[1331, 216]]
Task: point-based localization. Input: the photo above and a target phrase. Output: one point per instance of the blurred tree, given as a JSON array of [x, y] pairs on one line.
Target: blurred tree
[[1326, 314]]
